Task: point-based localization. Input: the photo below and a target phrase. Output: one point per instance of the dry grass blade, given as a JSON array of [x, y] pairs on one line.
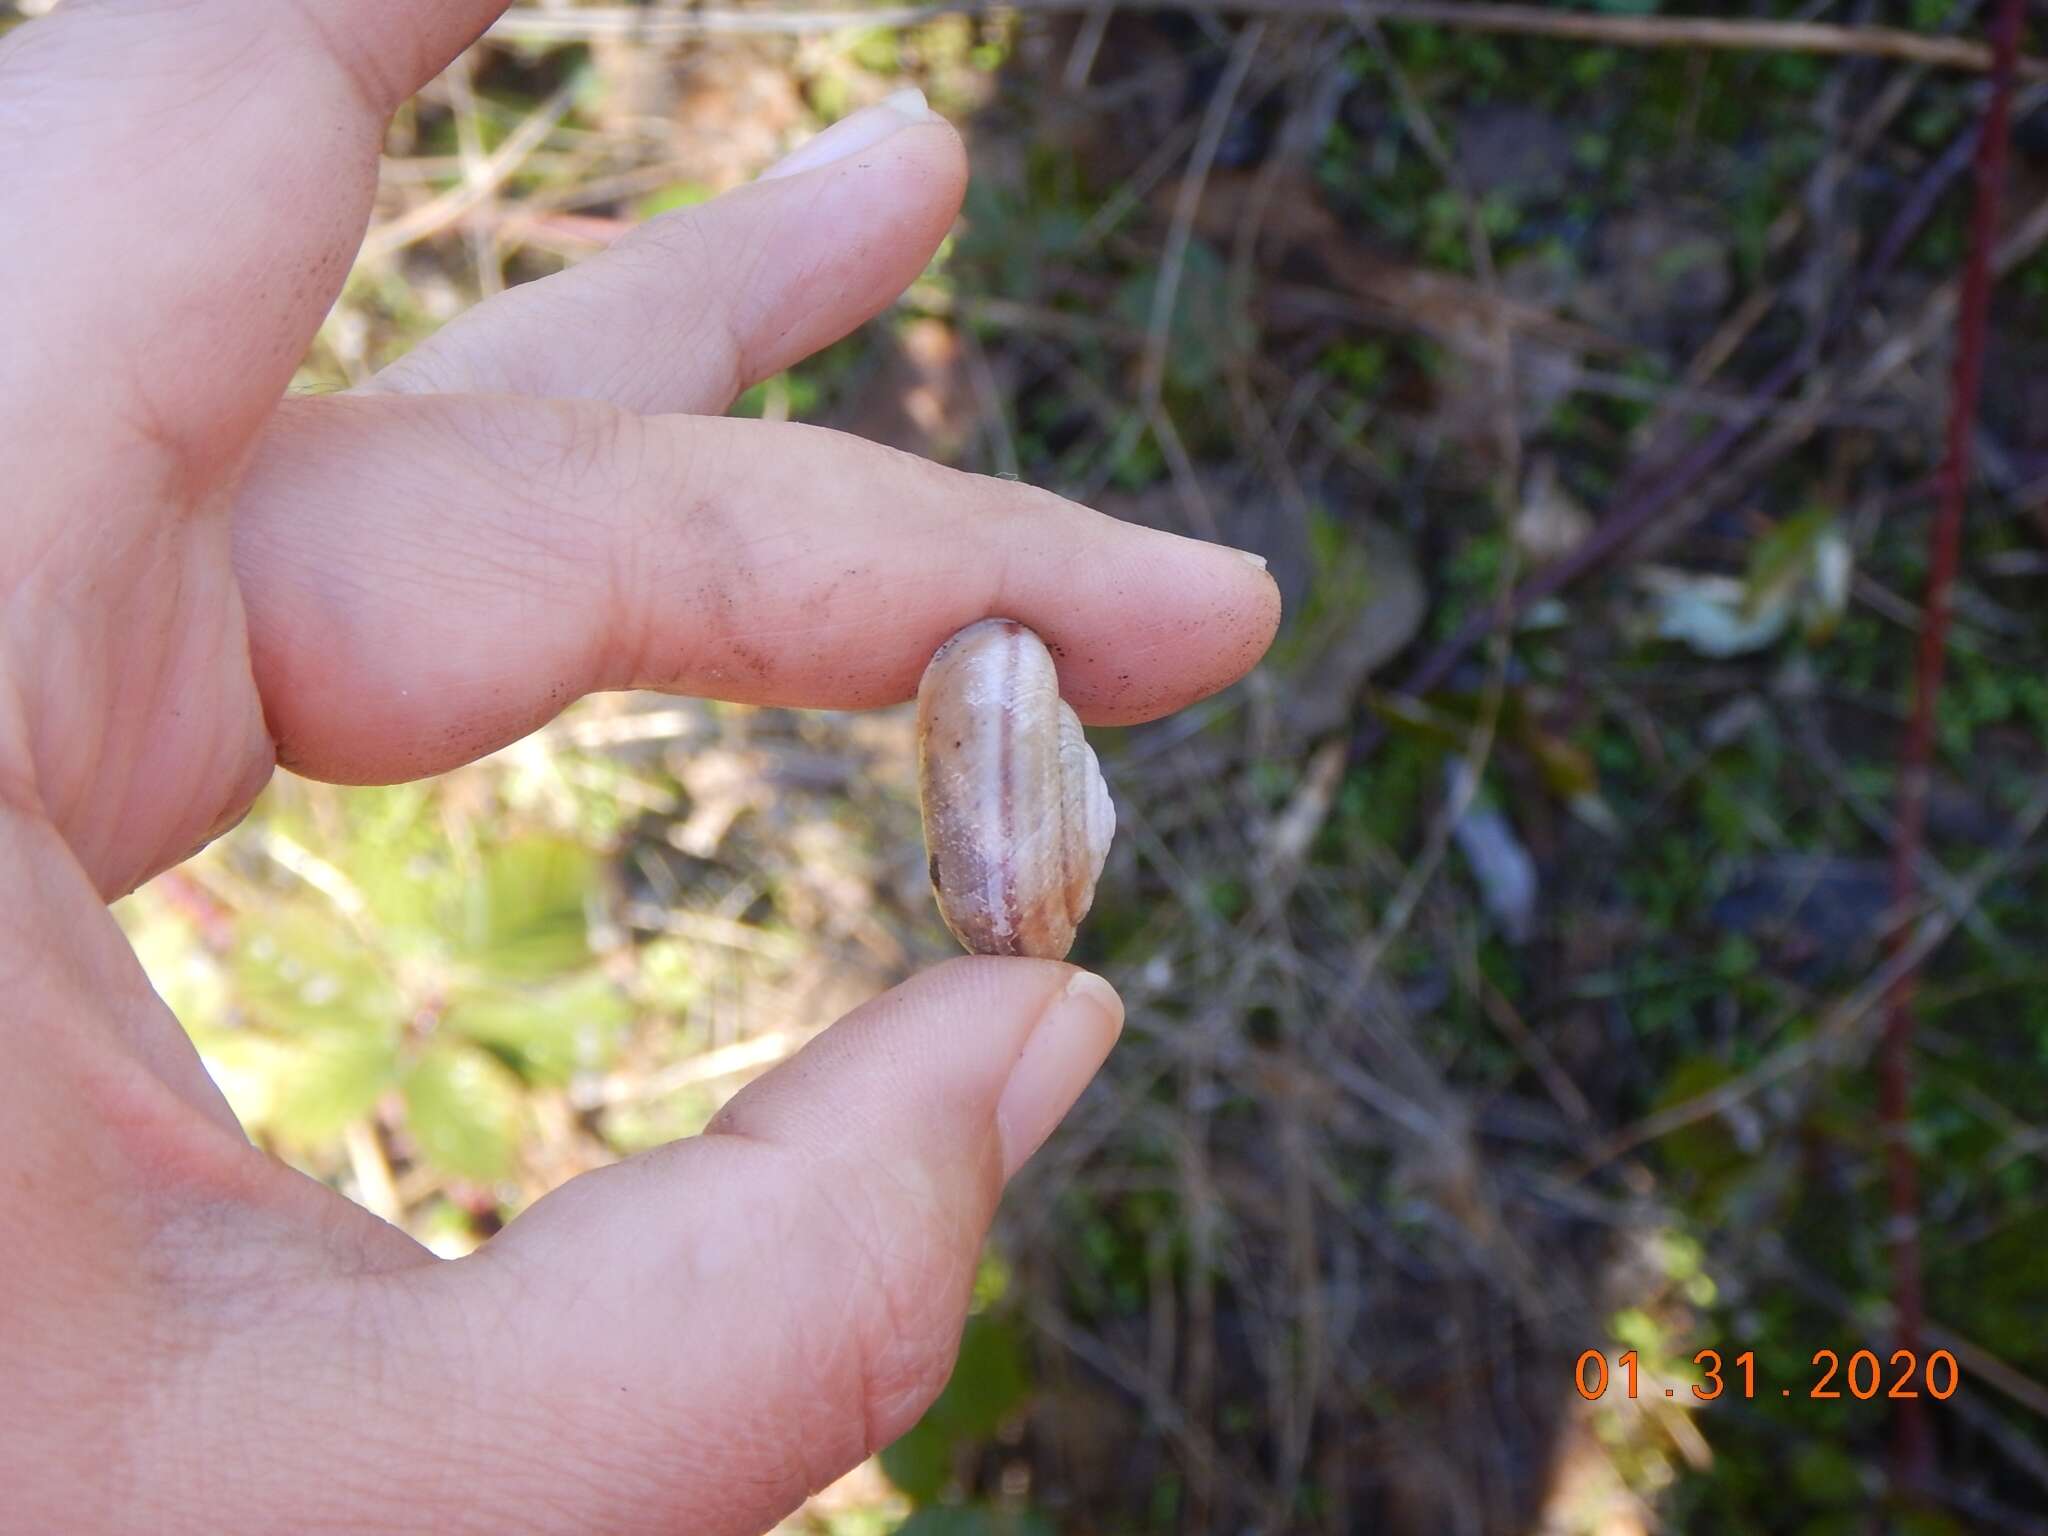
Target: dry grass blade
[[755, 1054], [447, 210], [1187, 200]]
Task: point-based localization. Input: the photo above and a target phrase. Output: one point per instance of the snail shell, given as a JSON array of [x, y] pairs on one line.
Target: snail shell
[[1017, 820]]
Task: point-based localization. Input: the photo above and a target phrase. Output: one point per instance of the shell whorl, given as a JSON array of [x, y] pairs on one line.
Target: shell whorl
[[1017, 820]]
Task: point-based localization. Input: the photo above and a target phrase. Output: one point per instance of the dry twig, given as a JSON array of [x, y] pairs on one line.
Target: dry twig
[[1172, 263], [1718, 34]]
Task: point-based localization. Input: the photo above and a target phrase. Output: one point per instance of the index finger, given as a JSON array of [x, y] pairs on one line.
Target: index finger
[[429, 578]]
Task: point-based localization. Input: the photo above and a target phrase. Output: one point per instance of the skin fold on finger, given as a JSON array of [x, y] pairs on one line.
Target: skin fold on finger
[[693, 307], [429, 578]]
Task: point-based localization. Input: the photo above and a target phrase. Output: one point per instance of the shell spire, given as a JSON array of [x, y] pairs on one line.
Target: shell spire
[[1017, 819]]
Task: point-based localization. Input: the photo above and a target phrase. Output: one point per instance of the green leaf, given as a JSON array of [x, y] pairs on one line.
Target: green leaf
[[300, 970], [525, 917], [990, 1380], [1827, 1474], [549, 1033], [329, 1078], [1781, 561], [677, 194], [395, 852], [462, 1107], [920, 1464], [876, 49], [325, 1043], [300, 1088], [1705, 1146]]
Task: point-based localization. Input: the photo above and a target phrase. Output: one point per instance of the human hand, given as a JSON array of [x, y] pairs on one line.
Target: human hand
[[199, 579]]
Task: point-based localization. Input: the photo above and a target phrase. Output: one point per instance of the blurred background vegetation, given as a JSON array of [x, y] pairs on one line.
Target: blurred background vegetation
[[1473, 1024]]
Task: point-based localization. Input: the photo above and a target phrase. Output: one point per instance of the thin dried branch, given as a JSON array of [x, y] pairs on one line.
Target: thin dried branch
[[1172, 264], [1717, 34]]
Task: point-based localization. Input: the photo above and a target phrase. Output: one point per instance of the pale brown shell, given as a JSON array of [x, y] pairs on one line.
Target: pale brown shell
[[1017, 820]]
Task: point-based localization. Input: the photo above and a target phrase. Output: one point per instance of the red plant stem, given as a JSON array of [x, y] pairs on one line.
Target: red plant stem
[[1912, 1444]]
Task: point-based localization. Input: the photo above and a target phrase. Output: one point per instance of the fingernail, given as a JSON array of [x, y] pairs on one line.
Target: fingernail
[[1071, 1040], [850, 135], [1251, 559]]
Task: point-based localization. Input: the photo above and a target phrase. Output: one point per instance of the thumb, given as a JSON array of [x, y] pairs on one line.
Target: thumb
[[730, 1322]]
